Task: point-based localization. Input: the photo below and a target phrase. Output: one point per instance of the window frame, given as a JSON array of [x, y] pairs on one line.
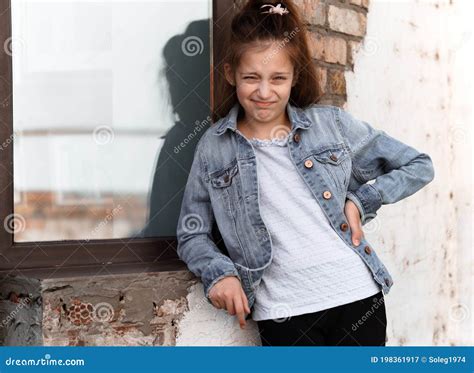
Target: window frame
[[52, 259]]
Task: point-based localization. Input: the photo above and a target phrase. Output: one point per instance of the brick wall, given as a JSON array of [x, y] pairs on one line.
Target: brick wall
[[141, 309]]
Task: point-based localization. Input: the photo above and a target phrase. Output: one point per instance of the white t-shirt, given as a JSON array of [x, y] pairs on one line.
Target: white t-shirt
[[312, 269]]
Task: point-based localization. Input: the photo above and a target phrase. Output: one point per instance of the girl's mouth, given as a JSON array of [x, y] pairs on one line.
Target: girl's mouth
[[263, 104]]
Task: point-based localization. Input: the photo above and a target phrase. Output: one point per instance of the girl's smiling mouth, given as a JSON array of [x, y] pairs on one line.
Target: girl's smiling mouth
[[263, 104]]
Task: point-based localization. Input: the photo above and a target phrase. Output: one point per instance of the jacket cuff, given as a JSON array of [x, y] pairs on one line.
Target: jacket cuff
[[216, 271], [367, 200]]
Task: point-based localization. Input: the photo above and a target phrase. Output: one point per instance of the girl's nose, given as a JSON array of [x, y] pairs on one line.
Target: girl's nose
[[264, 90]]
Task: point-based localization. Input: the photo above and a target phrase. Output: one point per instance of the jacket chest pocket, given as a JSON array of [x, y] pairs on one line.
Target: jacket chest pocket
[[226, 186], [335, 164]]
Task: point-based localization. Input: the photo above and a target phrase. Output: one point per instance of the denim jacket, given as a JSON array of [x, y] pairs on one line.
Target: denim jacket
[[339, 158]]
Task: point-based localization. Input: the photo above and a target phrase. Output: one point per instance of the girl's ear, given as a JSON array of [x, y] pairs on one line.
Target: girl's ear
[[229, 74]]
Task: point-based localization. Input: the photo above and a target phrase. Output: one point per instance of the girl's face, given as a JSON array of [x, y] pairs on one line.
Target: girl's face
[[263, 83]]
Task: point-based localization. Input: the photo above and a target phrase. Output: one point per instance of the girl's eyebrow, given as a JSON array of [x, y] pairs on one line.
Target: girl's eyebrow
[[255, 73]]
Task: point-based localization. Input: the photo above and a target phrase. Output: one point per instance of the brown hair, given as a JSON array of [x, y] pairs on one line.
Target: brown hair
[[248, 28]]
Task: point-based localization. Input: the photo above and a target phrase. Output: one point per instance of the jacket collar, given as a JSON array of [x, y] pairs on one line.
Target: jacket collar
[[297, 117]]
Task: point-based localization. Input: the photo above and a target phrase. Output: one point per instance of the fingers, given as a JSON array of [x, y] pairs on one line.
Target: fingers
[[229, 305], [239, 310], [238, 305], [356, 229], [356, 238], [231, 297], [245, 302], [353, 218], [216, 303]]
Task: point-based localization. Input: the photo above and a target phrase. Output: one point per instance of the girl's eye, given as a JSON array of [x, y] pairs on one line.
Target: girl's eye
[[253, 78]]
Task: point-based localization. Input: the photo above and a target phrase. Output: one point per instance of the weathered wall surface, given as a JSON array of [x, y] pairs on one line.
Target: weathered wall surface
[[411, 79], [20, 312], [124, 310], [204, 325], [157, 309]]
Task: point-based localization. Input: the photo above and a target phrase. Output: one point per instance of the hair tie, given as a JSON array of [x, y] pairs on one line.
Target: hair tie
[[275, 9]]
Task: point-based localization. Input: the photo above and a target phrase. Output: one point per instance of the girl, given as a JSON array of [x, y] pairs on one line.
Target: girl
[[286, 182]]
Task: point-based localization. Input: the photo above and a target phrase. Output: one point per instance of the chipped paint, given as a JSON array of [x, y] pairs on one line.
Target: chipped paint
[[205, 325]]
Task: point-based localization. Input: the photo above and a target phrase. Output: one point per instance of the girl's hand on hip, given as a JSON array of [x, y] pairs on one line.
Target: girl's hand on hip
[[228, 294], [353, 218]]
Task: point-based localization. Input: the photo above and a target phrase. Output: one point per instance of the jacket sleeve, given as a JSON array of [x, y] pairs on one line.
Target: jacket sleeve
[[398, 170], [194, 231]]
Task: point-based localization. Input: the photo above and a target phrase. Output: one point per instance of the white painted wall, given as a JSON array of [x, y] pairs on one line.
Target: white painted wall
[[401, 87], [205, 325]]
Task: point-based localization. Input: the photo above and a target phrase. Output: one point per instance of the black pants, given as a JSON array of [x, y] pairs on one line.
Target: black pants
[[360, 323]]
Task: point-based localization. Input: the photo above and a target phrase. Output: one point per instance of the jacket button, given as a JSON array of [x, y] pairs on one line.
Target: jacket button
[[333, 157], [367, 250], [308, 163], [327, 194], [344, 227], [296, 137], [387, 282]]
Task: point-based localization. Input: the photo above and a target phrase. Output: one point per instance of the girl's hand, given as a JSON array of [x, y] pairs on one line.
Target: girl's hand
[[228, 294], [353, 218]]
